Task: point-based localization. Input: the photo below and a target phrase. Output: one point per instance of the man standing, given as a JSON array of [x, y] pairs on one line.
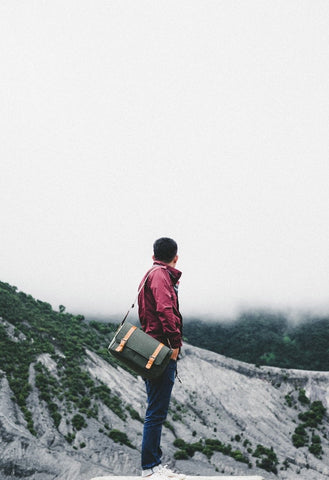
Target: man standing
[[159, 315]]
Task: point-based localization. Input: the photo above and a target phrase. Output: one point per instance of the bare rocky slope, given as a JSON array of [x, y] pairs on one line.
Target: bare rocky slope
[[226, 417]]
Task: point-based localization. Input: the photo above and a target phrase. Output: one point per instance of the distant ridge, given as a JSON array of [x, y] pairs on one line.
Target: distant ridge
[[67, 410], [265, 337]]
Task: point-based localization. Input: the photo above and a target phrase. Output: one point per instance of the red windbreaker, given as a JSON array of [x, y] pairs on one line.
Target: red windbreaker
[[158, 307]]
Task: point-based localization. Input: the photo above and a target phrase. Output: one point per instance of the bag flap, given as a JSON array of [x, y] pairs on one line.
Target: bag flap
[[140, 342]]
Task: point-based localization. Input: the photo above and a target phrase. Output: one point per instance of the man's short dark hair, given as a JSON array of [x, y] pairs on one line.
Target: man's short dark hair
[[165, 249]]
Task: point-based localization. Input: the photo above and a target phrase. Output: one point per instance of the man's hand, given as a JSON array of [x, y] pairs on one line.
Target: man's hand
[[175, 353]]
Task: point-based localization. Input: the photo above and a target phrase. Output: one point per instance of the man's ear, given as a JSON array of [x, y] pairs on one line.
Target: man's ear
[[153, 257]]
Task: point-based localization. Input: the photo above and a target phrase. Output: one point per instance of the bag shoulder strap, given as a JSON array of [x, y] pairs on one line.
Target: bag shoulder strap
[[139, 291]]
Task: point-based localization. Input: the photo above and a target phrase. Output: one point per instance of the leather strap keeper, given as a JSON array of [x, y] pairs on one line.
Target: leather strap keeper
[[154, 356]]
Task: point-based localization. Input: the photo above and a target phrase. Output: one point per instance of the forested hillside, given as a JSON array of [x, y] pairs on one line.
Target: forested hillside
[[68, 411], [265, 338], [41, 330]]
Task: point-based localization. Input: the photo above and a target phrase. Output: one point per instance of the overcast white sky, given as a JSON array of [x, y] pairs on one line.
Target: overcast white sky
[[207, 121]]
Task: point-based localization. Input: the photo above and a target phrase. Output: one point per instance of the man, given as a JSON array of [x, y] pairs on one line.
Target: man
[[159, 316]]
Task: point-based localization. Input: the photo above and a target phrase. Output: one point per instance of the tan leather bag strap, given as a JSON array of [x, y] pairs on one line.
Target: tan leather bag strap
[[123, 342]]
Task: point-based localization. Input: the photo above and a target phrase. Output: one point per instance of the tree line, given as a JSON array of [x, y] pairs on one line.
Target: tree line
[[266, 338]]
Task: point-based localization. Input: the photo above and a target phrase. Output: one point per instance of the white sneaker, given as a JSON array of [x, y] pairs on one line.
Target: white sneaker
[[169, 474]]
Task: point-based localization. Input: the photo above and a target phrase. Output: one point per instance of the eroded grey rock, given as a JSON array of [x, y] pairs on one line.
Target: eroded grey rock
[[219, 398]]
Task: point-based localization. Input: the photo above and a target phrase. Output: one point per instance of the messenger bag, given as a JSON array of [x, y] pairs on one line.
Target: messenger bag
[[145, 355]]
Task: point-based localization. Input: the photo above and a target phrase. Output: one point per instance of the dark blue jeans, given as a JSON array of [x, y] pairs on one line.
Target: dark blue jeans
[[158, 398]]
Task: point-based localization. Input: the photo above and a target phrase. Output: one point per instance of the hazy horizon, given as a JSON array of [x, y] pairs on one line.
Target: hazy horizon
[[293, 315], [126, 121]]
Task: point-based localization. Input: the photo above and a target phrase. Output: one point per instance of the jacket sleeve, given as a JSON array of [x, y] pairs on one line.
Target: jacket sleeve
[[166, 306]]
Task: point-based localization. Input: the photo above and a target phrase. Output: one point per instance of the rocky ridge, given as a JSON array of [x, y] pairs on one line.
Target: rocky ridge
[[219, 400]]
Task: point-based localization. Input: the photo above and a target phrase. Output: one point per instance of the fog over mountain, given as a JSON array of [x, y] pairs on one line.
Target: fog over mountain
[[203, 121]]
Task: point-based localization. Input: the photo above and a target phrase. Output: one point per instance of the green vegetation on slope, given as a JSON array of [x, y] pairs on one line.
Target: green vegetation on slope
[[67, 389], [306, 431], [41, 330], [264, 338], [266, 457]]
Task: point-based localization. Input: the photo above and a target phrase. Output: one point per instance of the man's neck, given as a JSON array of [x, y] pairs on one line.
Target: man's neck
[[169, 264], [172, 264]]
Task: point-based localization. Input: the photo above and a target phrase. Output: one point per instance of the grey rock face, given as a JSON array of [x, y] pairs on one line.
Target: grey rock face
[[219, 399]]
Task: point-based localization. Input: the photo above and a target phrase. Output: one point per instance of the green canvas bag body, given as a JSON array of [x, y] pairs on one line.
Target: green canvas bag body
[[137, 350], [141, 352]]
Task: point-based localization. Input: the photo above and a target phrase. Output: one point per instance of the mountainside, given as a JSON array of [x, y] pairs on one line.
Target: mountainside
[[68, 411], [265, 337]]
